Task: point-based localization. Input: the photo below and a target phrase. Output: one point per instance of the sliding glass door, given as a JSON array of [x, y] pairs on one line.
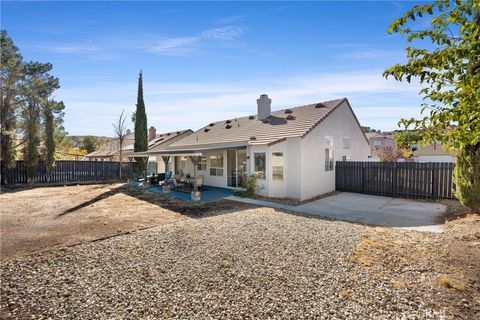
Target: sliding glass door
[[236, 167]]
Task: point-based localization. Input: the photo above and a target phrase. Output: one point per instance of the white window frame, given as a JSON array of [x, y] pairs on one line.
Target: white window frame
[[277, 156], [216, 171], [260, 174]]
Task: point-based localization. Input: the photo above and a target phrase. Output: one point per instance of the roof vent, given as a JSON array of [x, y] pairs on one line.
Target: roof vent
[[228, 121], [178, 132], [251, 117], [211, 124], [206, 130], [228, 126], [290, 117], [266, 120], [253, 138], [288, 111], [320, 105], [168, 134]]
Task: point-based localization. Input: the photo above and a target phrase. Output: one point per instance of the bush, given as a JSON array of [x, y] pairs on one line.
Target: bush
[[467, 177], [250, 187]]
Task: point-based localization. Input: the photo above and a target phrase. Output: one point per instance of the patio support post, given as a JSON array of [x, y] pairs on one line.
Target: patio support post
[[195, 160], [165, 161]]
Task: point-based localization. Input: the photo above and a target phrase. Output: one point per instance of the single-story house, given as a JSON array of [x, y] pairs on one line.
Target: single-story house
[[292, 152], [434, 152]]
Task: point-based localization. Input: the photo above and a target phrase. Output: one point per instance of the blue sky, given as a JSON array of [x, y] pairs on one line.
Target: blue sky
[[207, 61]]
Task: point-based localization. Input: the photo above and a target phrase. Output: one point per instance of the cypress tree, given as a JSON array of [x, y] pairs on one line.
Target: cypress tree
[[141, 138]]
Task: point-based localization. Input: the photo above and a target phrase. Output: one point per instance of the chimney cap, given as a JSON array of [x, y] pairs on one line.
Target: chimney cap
[[264, 96]]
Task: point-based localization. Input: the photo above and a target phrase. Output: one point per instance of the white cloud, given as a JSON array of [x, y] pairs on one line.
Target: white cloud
[[110, 48], [172, 106]]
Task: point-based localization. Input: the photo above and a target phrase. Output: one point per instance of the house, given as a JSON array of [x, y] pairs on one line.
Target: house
[[155, 141], [433, 153], [158, 142], [292, 152], [379, 141]]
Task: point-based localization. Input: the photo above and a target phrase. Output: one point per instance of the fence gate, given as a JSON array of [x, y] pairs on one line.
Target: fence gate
[[427, 180]]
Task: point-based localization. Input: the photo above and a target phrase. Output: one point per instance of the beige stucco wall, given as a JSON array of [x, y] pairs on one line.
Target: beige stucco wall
[[341, 123]]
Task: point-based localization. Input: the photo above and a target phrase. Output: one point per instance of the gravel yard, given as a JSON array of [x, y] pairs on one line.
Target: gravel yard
[[256, 263]]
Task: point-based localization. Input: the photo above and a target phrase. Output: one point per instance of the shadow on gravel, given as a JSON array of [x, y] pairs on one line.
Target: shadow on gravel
[[190, 209]]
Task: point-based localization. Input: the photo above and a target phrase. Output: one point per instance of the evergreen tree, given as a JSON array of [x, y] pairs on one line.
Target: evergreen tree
[[89, 144], [141, 138], [39, 85], [49, 111], [11, 75]]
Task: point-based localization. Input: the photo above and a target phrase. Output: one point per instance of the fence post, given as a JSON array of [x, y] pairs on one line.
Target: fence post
[[434, 181]]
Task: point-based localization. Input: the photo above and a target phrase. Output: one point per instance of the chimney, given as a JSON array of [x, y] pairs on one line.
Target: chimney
[[129, 131], [152, 133], [264, 105]]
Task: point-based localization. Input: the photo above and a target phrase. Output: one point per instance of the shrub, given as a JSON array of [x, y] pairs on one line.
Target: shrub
[[250, 187], [467, 177]]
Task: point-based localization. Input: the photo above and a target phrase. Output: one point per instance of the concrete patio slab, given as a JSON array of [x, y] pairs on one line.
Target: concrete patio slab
[[368, 209]]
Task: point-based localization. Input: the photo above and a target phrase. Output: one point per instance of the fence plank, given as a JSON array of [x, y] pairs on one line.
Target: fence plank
[[427, 180]]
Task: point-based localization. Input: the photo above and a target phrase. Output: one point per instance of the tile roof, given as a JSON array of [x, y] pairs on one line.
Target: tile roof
[[287, 123]]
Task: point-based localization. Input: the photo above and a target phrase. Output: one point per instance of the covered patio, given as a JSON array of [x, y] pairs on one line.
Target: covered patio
[[200, 174]]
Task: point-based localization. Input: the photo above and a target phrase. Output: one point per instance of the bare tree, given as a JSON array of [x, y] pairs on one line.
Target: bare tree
[[120, 130]]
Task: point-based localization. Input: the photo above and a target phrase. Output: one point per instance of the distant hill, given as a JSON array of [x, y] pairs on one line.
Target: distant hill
[[78, 141]]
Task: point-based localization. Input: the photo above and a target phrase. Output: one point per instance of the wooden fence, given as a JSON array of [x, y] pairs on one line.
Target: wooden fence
[[429, 180], [72, 171]]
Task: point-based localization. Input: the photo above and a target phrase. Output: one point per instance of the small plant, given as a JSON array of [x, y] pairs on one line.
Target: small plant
[[447, 282], [250, 187]]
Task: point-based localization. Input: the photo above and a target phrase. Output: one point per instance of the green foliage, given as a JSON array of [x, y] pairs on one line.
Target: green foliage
[[28, 117], [141, 135], [50, 109], [11, 75], [449, 75], [39, 85], [368, 129], [405, 139], [467, 171], [250, 187], [89, 144]]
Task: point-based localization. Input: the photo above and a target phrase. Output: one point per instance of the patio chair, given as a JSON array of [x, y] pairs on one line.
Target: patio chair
[[177, 185]]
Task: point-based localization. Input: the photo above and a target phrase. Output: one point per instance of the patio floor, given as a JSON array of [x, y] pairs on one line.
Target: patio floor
[[208, 194]]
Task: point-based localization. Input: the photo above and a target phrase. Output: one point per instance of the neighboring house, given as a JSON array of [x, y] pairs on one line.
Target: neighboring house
[[158, 142], [111, 151], [433, 153], [378, 141], [292, 152]]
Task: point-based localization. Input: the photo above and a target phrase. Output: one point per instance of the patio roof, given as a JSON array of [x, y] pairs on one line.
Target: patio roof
[[187, 152]]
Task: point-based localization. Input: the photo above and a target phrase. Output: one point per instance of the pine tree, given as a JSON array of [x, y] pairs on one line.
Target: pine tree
[[51, 109], [12, 69], [39, 85], [141, 138]]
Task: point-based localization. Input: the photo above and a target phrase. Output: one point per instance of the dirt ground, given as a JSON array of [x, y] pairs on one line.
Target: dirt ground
[[39, 219]]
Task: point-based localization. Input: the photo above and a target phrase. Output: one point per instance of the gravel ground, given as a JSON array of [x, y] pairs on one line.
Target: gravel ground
[[256, 263]]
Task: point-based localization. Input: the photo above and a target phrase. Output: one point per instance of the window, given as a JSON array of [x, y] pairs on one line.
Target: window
[[345, 158], [259, 167], [202, 164], [328, 141], [346, 142], [377, 144], [216, 164], [277, 166], [328, 159]]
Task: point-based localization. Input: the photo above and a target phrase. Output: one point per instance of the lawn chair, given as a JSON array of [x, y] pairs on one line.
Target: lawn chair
[[177, 185]]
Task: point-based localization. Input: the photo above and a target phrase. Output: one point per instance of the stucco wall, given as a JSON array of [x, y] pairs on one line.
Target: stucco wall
[[435, 158], [341, 123]]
